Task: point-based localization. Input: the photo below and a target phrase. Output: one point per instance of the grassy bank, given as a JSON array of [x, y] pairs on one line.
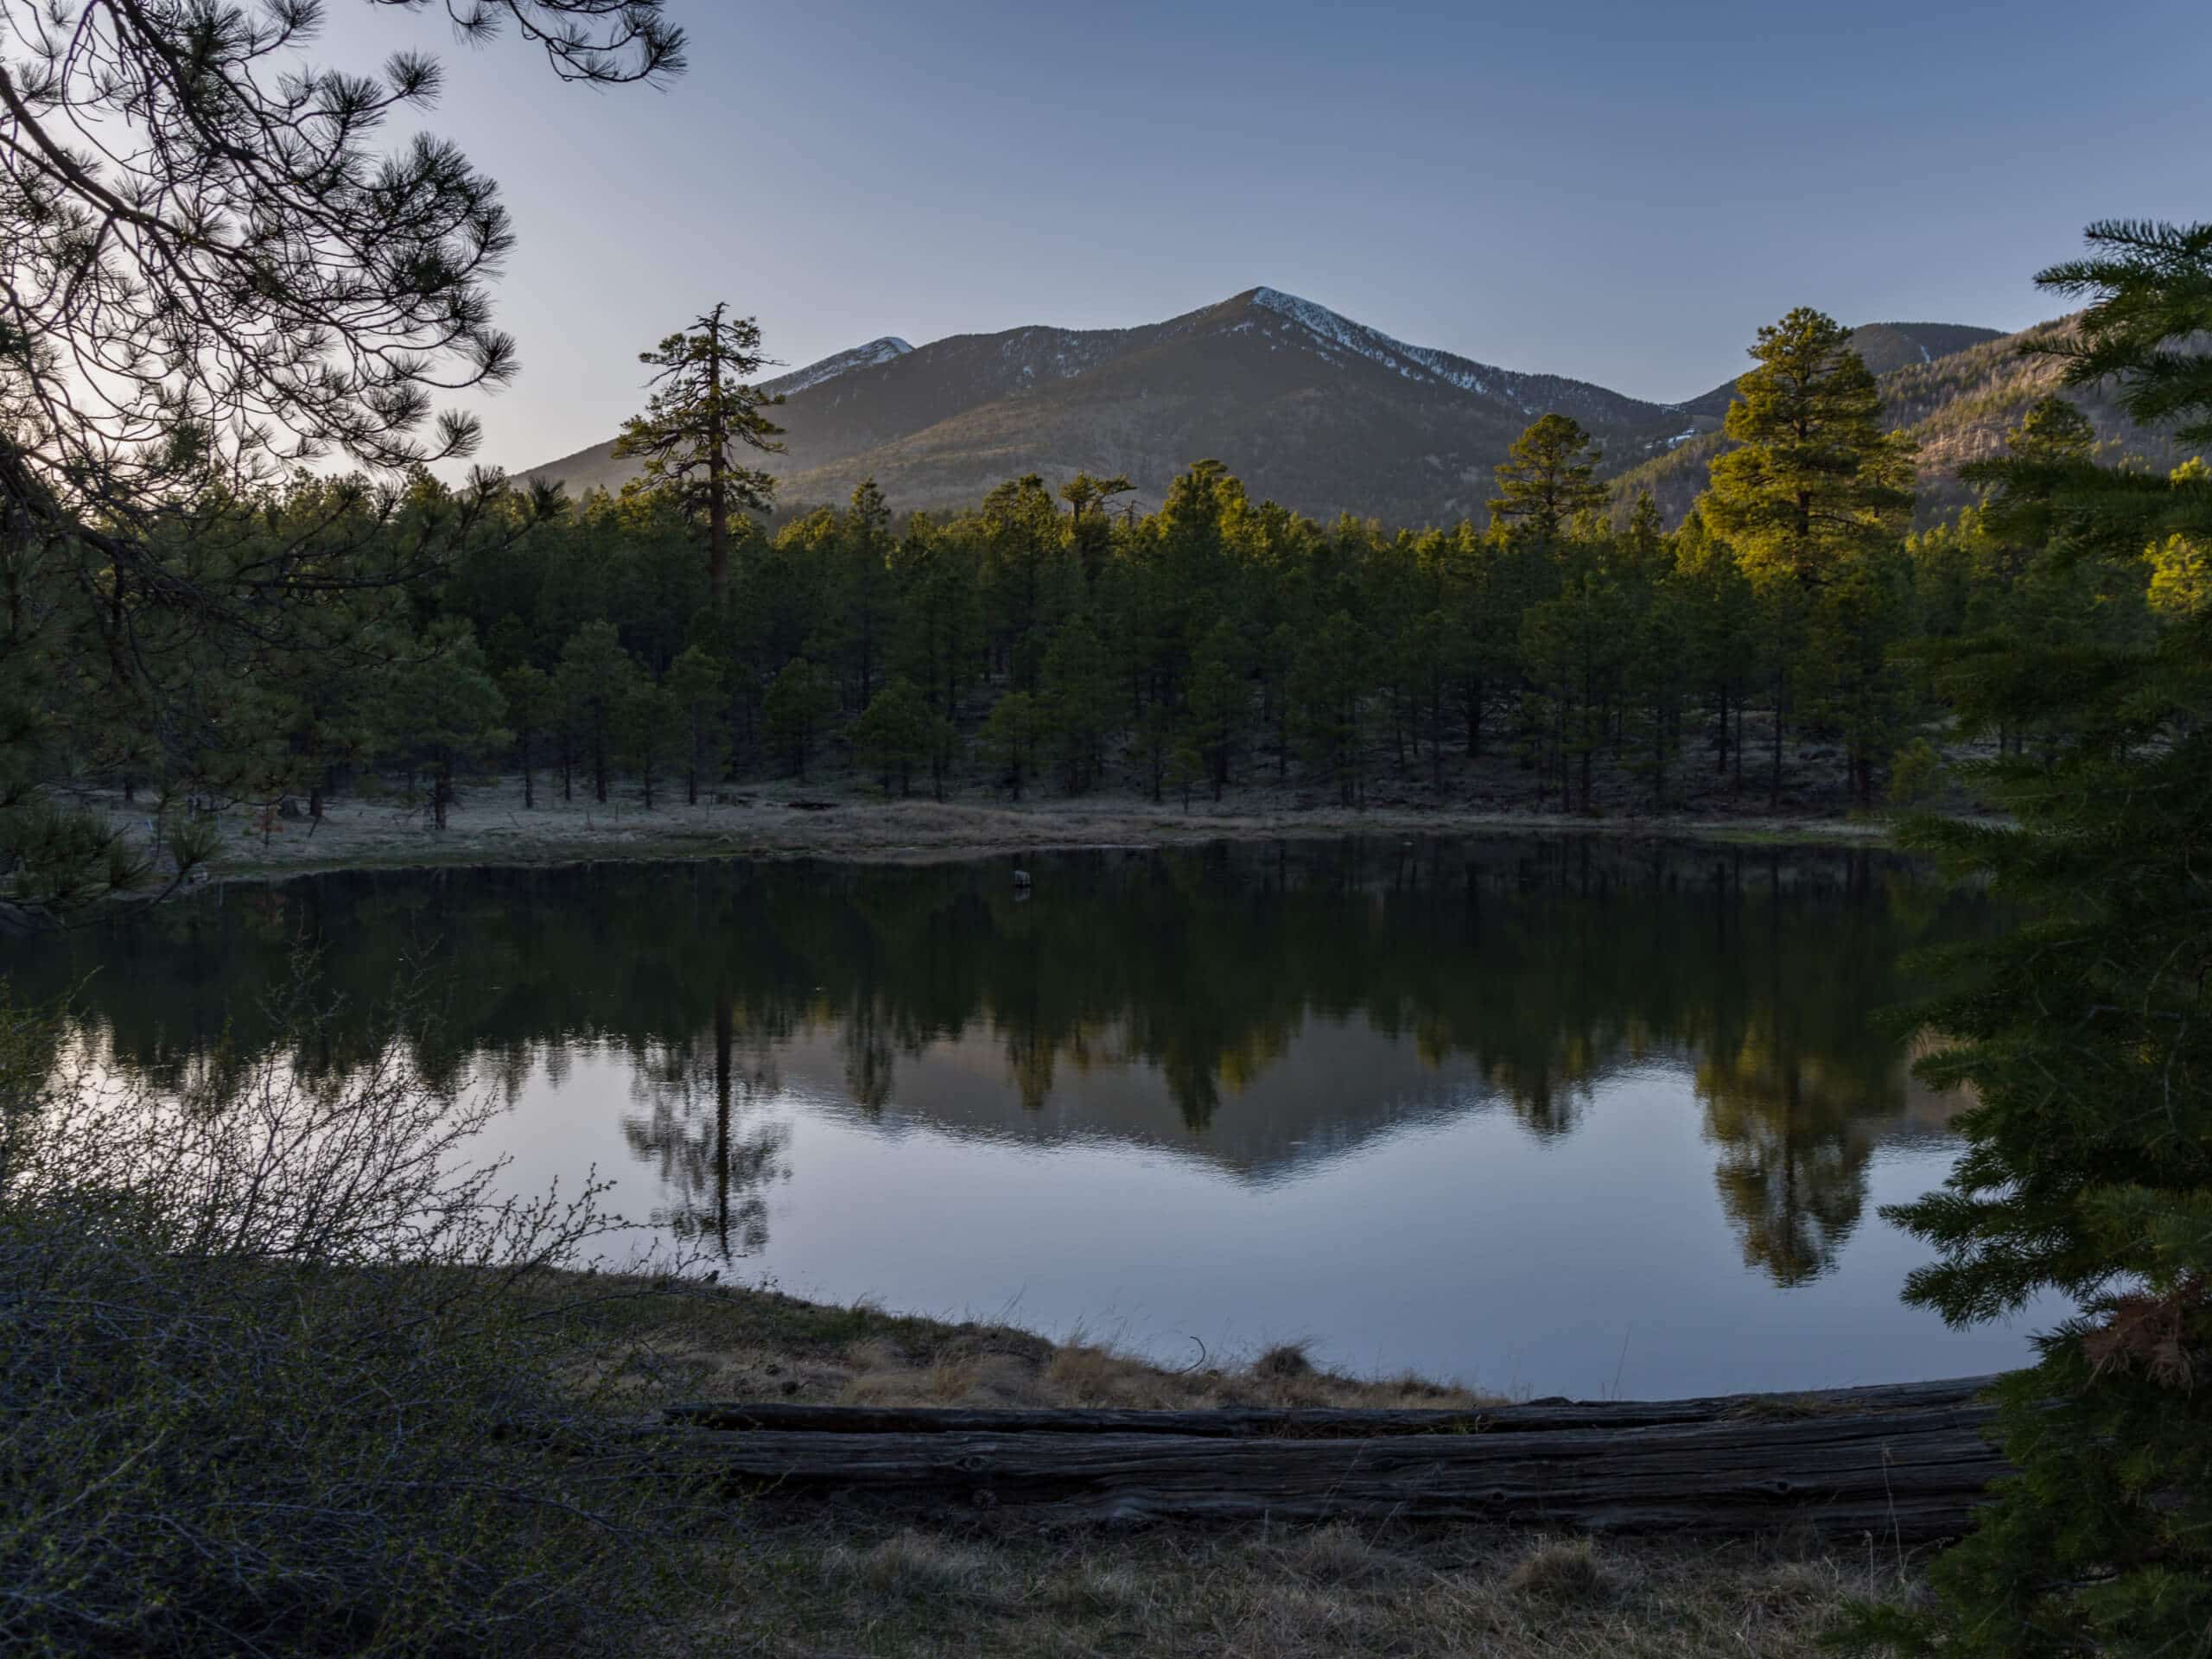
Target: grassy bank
[[819, 1580]]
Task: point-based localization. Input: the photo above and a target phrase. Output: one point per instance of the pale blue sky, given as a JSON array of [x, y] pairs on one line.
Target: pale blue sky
[[1619, 192]]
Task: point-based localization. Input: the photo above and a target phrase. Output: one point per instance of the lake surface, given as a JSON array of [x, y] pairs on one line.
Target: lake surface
[[1556, 1114]]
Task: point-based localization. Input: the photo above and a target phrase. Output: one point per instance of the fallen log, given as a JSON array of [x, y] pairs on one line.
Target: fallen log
[[1909, 1463], [1239, 1422]]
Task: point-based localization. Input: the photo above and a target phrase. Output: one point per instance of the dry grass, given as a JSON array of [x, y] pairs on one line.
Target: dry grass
[[849, 1580], [732, 1343], [1271, 1592], [989, 1366], [1567, 1574]]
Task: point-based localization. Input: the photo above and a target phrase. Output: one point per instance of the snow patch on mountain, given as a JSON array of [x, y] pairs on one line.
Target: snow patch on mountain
[[1418, 363], [860, 357]]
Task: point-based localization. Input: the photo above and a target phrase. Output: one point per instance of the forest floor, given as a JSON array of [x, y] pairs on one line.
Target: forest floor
[[802, 1578], [847, 819]]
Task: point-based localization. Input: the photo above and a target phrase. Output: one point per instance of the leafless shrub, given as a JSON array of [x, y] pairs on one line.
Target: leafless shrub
[[278, 1373]]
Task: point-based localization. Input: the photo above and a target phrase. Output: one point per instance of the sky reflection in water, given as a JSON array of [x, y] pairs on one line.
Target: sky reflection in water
[[1562, 1115]]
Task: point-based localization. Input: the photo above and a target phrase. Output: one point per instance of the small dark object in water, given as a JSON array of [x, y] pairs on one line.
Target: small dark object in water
[[811, 806]]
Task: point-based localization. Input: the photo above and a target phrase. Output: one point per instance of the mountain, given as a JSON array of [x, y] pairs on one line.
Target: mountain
[[1308, 407], [860, 356], [1883, 347], [1956, 405]]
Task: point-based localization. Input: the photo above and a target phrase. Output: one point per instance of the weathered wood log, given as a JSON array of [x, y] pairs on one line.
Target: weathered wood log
[[1241, 1422], [1892, 1463]]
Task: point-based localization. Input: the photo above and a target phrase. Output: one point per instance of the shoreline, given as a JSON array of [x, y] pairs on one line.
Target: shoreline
[[848, 824], [870, 1575]]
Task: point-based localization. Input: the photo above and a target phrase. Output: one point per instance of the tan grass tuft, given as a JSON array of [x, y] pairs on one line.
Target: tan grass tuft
[[1337, 1555], [1566, 1573], [917, 1564], [1083, 1374]]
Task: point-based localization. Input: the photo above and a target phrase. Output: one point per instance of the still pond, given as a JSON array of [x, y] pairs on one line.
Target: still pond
[[1559, 1116]]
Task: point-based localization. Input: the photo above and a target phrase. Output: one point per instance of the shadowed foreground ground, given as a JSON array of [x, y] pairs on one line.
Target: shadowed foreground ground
[[847, 1580]]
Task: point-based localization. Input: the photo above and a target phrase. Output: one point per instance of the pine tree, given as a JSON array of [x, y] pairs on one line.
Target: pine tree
[[441, 709], [698, 697], [1009, 737], [2085, 1035], [593, 677], [1812, 493], [646, 729], [531, 710], [1090, 500], [798, 700], [860, 592], [1548, 480], [1028, 575], [1575, 646], [2181, 565], [892, 735], [703, 410], [1076, 702], [1329, 685], [1220, 707]]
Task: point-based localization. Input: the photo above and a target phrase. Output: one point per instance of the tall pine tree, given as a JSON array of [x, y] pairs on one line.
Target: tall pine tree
[[1815, 497], [704, 409]]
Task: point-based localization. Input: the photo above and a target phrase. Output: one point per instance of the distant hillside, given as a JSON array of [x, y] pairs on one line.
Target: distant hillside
[[1957, 406], [1882, 345], [1308, 407]]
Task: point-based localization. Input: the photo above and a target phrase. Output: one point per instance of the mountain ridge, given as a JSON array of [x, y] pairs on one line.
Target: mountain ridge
[[1955, 406], [1310, 407]]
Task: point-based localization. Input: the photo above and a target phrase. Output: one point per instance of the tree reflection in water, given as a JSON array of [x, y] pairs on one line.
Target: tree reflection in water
[[1537, 967]]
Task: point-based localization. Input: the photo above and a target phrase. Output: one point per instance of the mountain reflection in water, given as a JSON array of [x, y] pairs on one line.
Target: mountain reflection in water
[[1261, 1011]]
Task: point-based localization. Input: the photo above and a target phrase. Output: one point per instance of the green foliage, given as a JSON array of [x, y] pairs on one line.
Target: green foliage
[[698, 694], [2087, 1036], [1009, 737], [892, 736], [1220, 711], [801, 698], [1611, 661], [593, 683], [1078, 701], [1329, 687], [532, 709], [1814, 500], [1548, 480], [646, 731], [1916, 773], [441, 710], [1575, 646]]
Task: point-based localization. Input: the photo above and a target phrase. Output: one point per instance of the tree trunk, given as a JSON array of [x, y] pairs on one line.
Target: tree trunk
[[1774, 770], [717, 436], [1909, 1461]]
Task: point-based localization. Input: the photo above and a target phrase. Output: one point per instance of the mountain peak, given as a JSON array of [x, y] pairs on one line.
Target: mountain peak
[[881, 350], [1336, 332]]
